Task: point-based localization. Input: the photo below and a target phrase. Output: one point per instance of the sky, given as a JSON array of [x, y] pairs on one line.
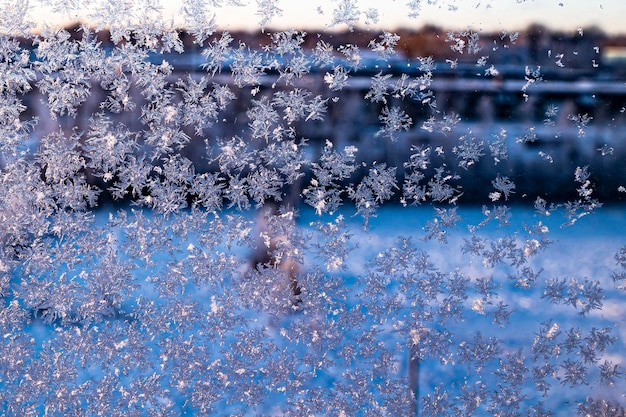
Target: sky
[[479, 15]]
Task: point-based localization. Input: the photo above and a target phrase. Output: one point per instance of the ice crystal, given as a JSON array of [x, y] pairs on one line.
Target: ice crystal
[[347, 12], [469, 150], [581, 122], [504, 186], [394, 120], [177, 202], [385, 47]]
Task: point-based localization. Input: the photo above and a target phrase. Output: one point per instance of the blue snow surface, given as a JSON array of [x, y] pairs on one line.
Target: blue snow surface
[[583, 251]]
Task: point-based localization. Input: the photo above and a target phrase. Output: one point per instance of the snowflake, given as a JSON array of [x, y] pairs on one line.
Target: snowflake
[[176, 195]]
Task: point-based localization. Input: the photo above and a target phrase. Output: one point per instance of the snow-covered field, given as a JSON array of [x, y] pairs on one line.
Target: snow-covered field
[[200, 332], [584, 251]]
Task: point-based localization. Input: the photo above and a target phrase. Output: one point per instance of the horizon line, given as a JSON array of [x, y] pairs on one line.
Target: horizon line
[[319, 16], [359, 28]]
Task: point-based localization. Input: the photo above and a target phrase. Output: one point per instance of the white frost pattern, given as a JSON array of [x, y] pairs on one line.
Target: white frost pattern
[[176, 239]]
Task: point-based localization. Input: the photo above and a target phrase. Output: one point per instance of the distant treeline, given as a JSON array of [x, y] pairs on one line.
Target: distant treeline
[[426, 41]]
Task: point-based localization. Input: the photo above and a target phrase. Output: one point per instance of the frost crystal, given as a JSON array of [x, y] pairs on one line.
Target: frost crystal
[[196, 221]]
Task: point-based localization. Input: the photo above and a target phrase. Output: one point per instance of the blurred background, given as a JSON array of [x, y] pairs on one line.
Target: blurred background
[[552, 99]]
